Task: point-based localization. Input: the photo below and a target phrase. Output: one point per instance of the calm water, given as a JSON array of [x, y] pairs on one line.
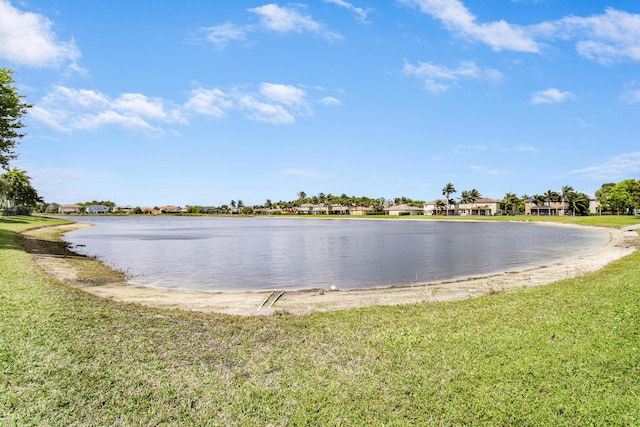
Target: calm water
[[232, 254]]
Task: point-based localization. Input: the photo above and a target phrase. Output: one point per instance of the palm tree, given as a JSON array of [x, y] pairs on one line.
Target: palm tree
[[16, 190], [440, 205], [448, 190], [566, 190], [578, 203], [510, 202], [302, 196], [551, 196], [473, 196], [539, 200]]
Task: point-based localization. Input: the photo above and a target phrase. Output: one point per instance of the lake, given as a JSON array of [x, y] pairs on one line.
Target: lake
[[268, 253]]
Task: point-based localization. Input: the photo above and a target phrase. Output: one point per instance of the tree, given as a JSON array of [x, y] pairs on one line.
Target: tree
[[473, 195], [12, 109], [302, 196], [602, 195], [578, 203], [564, 193], [448, 190], [510, 202], [17, 191]]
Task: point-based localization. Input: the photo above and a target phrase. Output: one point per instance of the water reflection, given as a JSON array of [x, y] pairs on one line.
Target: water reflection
[[226, 254]]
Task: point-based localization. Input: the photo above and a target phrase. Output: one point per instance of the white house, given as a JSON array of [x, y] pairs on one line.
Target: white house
[[403, 209], [98, 209], [69, 209]]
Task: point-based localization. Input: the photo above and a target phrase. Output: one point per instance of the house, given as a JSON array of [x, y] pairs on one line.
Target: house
[[483, 206], [403, 209], [480, 207], [171, 210], [360, 210], [440, 207], [150, 211], [124, 209], [69, 209], [311, 209], [98, 209], [548, 208]]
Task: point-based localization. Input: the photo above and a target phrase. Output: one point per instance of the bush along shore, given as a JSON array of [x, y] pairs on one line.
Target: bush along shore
[[567, 353]]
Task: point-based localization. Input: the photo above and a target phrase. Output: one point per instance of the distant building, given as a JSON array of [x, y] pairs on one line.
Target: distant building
[[98, 209], [360, 210], [171, 210], [403, 209], [69, 209]]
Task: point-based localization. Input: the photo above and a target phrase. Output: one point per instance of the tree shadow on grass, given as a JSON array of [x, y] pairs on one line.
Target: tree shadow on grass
[[13, 220]]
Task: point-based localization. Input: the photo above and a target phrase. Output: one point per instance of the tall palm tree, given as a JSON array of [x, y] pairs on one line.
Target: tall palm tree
[[473, 195], [510, 202], [448, 190], [551, 196], [578, 203], [539, 200], [565, 191]]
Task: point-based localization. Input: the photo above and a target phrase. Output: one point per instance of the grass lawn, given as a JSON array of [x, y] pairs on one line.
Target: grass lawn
[[563, 354]]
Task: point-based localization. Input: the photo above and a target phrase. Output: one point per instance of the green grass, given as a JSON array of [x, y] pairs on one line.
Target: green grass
[[563, 354]]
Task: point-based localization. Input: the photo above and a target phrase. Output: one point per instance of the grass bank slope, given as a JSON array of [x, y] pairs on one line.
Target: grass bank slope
[[563, 354]]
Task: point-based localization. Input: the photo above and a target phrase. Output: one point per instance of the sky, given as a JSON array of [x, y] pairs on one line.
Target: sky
[[204, 102]]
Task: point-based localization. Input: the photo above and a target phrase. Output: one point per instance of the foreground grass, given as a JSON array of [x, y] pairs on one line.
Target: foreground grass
[[563, 354]]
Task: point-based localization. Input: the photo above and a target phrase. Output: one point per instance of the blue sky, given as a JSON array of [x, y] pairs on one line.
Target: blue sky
[[202, 102]]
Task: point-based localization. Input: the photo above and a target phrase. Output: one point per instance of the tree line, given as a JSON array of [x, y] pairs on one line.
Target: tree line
[[17, 195]]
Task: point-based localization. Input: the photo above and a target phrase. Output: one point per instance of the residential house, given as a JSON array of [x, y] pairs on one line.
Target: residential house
[[150, 211], [440, 207], [171, 210], [480, 207], [69, 209], [124, 209], [360, 210], [548, 208], [403, 209], [98, 209], [311, 209]]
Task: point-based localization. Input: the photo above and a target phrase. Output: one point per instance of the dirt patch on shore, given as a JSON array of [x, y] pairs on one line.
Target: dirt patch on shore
[[58, 261]]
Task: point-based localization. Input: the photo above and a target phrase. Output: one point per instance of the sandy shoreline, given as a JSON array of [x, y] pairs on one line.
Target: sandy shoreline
[[59, 265]]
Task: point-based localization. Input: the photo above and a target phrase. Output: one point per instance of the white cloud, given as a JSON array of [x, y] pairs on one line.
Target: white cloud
[[631, 96], [551, 96], [439, 78], [265, 112], [67, 109], [273, 103], [499, 35], [614, 169], [606, 38], [221, 35], [284, 20], [209, 102], [284, 94], [330, 101], [27, 39], [360, 12]]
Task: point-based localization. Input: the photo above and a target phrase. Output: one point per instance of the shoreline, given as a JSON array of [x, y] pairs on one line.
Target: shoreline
[[67, 267]]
